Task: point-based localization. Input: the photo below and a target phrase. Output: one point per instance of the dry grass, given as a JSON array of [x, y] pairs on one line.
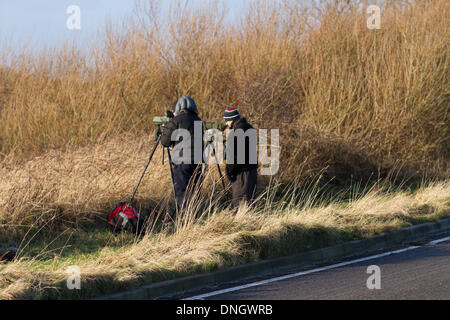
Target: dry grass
[[80, 182], [67, 188], [352, 104], [354, 100], [224, 239]]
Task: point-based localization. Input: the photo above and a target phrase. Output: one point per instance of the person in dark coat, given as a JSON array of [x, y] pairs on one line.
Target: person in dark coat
[[184, 132], [241, 157]]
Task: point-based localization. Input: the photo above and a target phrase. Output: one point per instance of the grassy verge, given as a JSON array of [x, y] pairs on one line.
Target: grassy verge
[[352, 104], [218, 239]]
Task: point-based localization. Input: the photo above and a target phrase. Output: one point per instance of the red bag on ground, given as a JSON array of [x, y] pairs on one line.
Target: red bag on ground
[[124, 217]]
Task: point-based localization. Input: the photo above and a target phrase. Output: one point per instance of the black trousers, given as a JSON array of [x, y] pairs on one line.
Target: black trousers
[[244, 187], [186, 178]]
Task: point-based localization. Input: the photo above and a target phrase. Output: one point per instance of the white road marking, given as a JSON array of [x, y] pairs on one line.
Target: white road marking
[[302, 273], [439, 240]]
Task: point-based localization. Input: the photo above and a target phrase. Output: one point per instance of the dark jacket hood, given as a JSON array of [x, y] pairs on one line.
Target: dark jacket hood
[[185, 104]]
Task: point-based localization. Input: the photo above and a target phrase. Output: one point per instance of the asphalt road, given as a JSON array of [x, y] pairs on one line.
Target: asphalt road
[[421, 273]]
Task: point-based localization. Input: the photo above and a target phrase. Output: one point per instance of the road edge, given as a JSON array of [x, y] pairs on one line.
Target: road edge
[[345, 250]]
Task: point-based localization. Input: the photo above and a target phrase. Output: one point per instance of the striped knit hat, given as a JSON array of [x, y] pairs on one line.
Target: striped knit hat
[[231, 114]]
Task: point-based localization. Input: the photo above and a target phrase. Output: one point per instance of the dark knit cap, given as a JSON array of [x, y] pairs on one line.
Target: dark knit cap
[[231, 114]]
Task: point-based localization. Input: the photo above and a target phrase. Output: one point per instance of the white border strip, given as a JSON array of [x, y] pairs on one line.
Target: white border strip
[[298, 274], [439, 240]]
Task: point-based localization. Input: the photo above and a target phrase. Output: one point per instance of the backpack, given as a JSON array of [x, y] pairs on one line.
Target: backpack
[[124, 218]]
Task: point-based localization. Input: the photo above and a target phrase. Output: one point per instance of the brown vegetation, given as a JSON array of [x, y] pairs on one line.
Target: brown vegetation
[[351, 104], [345, 97]]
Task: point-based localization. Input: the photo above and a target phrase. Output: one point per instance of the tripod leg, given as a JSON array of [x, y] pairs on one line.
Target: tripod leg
[[145, 169], [169, 157], [205, 169], [218, 168]]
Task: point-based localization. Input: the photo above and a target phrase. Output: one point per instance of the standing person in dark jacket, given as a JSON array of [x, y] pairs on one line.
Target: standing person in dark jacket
[[184, 132], [241, 157]]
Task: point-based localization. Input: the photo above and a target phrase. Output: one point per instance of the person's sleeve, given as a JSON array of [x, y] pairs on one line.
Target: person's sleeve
[[166, 136]]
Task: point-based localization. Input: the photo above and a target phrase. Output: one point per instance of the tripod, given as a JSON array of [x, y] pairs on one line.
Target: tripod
[[158, 140], [169, 156], [210, 144]]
